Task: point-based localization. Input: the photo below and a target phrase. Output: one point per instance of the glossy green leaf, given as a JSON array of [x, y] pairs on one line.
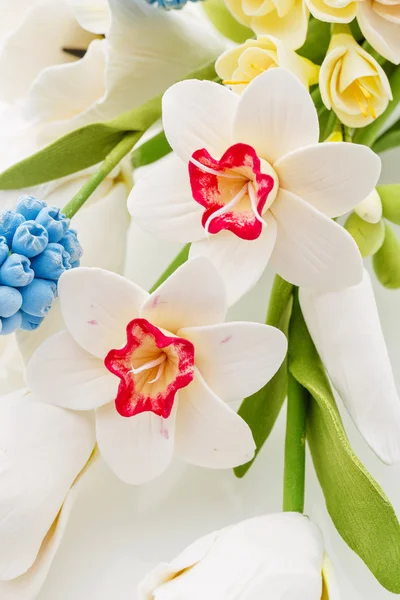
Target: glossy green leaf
[[150, 151], [361, 512], [387, 141], [261, 410], [226, 24], [86, 146], [369, 237], [317, 42], [387, 260], [390, 198]]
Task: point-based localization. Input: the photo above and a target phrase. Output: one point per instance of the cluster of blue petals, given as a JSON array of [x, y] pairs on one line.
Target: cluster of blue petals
[[170, 4], [36, 248]]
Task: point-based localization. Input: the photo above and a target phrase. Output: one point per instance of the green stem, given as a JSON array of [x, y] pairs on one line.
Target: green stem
[[177, 262], [110, 162], [280, 296], [295, 447], [150, 151]]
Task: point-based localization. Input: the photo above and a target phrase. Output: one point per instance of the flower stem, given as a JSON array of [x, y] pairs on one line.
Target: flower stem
[[110, 162], [177, 262], [280, 296], [295, 447]]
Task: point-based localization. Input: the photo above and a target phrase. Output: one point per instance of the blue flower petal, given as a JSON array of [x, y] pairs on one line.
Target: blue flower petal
[[29, 322], [30, 207], [11, 324], [72, 245], [9, 222], [4, 249], [51, 263], [16, 271], [10, 301], [56, 223], [38, 296], [30, 239]]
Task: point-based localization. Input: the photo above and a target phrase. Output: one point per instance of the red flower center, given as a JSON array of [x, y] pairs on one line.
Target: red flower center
[[152, 367], [233, 190]]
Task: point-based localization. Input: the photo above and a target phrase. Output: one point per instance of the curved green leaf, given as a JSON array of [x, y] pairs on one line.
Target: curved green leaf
[[361, 512], [222, 20]]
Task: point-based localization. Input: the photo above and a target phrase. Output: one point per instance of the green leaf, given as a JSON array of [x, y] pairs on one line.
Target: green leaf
[[369, 237], [390, 139], [390, 198], [150, 151], [361, 512], [179, 259], [86, 146], [226, 24], [317, 42], [261, 410], [387, 260]]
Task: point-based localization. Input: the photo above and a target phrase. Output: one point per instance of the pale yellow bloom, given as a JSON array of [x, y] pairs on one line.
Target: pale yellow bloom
[[370, 209], [238, 66], [284, 19], [352, 83], [333, 11]]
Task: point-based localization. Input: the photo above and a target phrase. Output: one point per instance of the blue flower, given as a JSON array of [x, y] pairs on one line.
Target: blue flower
[[56, 223], [30, 239], [36, 248], [51, 263], [170, 4]]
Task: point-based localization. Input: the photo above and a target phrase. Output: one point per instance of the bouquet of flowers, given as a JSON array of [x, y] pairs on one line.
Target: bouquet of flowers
[[245, 136]]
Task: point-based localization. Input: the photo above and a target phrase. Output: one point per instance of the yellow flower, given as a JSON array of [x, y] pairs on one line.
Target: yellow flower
[[284, 19], [333, 11], [352, 83], [238, 66]]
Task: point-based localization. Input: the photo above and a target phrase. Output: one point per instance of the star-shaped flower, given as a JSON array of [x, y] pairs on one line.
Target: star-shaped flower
[[159, 369]]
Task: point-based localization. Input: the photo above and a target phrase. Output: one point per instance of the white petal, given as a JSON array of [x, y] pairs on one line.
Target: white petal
[[237, 359], [208, 432], [346, 330], [93, 15], [161, 202], [332, 177], [239, 262], [268, 119], [139, 448], [199, 114], [103, 228], [28, 585], [29, 341], [311, 250], [382, 34], [62, 373], [273, 556], [21, 61], [370, 209], [193, 295], [97, 305], [43, 450], [62, 91]]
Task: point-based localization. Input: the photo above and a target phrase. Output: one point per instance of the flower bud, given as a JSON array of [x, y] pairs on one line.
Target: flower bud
[[29, 207], [38, 296], [390, 198], [72, 246], [4, 249], [9, 221], [30, 239], [11, 324], [368, 236], [352, 83], [10, 301], [370, 209], [51, 263], [54, 222], [29, 322], [274, 556], [16, 271], [387, 260], [238, 66]]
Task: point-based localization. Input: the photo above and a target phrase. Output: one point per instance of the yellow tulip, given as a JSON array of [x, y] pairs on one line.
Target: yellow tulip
[[284, 19], [352, 83], [238, 66]]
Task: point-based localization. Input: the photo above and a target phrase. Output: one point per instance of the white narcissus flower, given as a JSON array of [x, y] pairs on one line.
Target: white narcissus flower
[[238, 66], [285, 19], [250, 184], [44, 454], [158, 368], [352, 83], [346, 331], [273, 556]]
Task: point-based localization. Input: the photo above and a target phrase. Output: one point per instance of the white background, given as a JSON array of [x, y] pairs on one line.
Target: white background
[[117, 532]]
